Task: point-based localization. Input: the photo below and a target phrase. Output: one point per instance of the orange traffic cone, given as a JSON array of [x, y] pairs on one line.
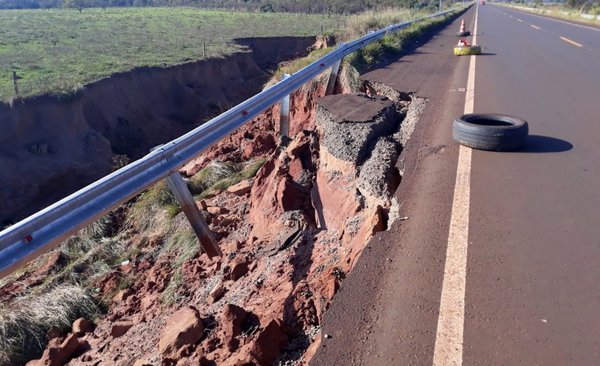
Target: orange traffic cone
[[463, 43], [463, 32]]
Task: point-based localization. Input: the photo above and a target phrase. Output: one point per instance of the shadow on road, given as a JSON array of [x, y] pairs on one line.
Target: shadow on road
[[545, 144]]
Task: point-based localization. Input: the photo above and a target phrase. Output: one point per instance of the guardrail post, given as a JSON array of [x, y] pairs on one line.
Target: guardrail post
[[193, 214], [284, 114], [335, 70]]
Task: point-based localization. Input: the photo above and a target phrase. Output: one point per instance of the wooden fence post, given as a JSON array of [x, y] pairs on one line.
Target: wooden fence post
[[14, 77]]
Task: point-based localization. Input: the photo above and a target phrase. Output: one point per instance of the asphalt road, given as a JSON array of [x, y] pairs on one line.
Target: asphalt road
[[532, 293]]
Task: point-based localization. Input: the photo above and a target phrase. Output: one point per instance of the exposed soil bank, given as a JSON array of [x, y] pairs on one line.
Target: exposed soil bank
[[51, 146], [289, 235]]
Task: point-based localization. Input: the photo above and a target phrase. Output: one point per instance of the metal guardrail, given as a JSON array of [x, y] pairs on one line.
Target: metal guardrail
[[44, 230]]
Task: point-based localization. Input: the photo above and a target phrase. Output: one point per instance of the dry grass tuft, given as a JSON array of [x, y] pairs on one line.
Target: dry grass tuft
[[211, 174], [87, 238], [218, 176], [181, 245], [24, 325], [157, 199]]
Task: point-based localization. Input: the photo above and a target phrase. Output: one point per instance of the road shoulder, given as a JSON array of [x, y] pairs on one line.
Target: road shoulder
[[386, 310]]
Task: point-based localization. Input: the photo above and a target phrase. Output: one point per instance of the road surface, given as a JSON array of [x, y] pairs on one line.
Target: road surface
[[512, 242]]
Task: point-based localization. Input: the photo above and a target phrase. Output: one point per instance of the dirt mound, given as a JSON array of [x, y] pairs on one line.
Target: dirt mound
[[51, 146]]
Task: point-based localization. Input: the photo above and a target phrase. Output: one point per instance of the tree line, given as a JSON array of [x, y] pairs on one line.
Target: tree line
[[297, 6], [583, 5]]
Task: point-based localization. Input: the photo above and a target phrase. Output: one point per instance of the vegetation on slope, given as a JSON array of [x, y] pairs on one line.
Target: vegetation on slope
[[25, 324], [361, 24], [62, 50], [393, 43], [218, 176], [69, 291]]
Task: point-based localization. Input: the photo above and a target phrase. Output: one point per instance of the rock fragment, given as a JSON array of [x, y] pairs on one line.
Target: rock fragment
[[82, 326], [242, 188], [120, 327], [183, 328], [58, 352]]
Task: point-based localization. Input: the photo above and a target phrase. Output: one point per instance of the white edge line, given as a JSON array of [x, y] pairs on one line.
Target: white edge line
[[448, 349]]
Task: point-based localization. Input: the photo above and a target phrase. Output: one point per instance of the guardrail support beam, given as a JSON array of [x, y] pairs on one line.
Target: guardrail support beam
[[335, 70], [284, 114], [193, 214]]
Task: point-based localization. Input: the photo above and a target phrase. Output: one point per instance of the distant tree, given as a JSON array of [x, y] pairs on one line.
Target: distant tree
[[267, 8], [74, 4], [411, 3], [582, 5]]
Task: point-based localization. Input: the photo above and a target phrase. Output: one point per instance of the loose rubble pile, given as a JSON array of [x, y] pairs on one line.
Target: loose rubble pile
[[289, 235]]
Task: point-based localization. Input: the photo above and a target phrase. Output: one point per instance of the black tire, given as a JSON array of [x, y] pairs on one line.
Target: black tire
[[463, 34], [494, 132]]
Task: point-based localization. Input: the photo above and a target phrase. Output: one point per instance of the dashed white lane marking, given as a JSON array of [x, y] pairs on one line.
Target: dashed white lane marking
[[535, 27], [570, 41], [519, 20], [448, 349], [562, 21]]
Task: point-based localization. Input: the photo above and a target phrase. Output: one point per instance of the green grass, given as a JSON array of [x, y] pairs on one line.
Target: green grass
[[181, 245], [356, 26], [301, 63], [61, 50], [361, 24], [93, 252], [393, 43], [157, 197]]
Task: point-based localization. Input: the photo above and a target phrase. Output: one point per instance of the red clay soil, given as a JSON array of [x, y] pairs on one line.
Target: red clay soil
[[262, 302]]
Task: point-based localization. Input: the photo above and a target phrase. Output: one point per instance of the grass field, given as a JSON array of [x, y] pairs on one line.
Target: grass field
[[60, 50]]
